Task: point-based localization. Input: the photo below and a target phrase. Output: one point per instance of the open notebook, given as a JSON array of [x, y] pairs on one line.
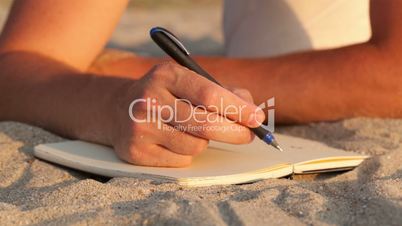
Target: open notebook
[[219, 164]]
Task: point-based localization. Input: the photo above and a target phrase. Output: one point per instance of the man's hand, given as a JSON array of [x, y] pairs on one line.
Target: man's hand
[[171, 138], [45, 51]]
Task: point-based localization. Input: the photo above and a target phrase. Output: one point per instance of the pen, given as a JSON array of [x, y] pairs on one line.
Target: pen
[[171, 45]]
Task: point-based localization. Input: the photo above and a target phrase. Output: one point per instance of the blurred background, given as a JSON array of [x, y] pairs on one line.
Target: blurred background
[[197, 23]]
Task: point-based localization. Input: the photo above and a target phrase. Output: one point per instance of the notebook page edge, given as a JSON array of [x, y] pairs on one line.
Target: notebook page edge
[[50, 153]]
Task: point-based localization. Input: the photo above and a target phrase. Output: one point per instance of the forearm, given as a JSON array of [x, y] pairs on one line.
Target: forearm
[[360, 80], [73, 32], [43, 92]]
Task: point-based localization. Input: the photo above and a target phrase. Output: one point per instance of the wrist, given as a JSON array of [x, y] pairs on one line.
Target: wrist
[[100, 119]]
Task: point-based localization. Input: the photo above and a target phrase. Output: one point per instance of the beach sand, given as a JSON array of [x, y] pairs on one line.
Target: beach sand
[[34, 192]]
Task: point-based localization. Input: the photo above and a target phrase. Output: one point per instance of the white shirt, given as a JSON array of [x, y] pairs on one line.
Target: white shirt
[[255, 28]]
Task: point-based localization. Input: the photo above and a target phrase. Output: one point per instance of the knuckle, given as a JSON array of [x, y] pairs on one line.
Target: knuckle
[[155, 77], [243, 93], [178, 69], [157, 73], [244, 136], [207, 133], [136, 156], [147, 92], [138, 130], [166, 66], [132, 154], [163, 73], [170, 66], [208, 96], [199, 146]]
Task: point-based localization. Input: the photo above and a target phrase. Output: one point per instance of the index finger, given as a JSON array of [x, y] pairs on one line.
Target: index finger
[[201, 91]]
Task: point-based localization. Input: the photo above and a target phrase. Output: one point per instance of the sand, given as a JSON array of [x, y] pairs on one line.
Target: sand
[[34, 192]]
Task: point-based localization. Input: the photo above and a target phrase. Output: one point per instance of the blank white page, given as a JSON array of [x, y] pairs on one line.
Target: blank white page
[[219, 164]]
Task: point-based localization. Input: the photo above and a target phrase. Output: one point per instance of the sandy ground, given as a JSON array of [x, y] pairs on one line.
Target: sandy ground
[[34, 192]]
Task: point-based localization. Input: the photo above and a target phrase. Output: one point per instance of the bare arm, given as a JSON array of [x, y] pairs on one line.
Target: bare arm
[[358, 80], [45, 51], [44, 48], [71, 32]]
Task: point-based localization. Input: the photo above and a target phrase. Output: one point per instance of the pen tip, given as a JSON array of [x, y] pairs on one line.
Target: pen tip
[[269, 139], [276, 145]]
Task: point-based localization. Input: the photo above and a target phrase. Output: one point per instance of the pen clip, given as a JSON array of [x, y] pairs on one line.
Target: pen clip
[[172, 37]]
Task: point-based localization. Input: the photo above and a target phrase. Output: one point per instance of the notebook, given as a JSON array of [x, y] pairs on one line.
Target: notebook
[[220, 164]]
